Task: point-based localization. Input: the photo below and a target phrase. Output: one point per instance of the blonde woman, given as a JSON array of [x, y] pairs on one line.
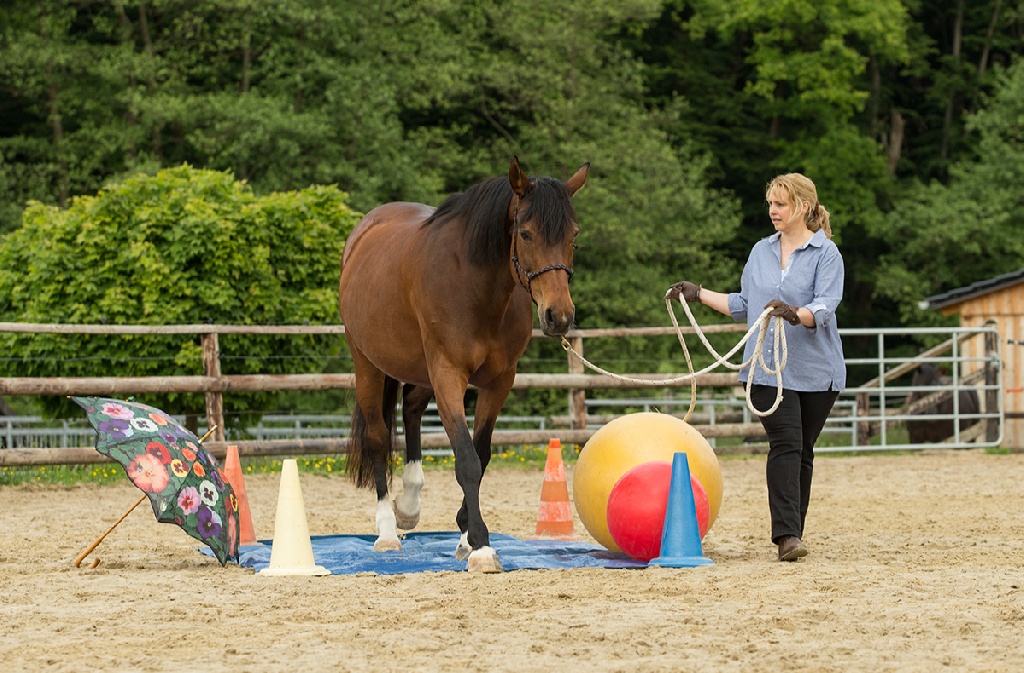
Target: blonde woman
[[798, 271]]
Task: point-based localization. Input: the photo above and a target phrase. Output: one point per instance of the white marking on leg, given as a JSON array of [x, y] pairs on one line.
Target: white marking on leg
[[407, 504], [387, 531], [462, 551]]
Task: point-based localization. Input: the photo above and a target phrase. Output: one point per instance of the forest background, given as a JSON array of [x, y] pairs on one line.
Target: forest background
[[287, 119]]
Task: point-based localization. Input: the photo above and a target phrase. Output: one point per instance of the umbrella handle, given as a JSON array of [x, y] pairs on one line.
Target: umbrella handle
[[208, 433], [96, 542]]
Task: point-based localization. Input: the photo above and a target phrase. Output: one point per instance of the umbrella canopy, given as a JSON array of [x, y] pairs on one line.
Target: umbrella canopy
[[169, 464]]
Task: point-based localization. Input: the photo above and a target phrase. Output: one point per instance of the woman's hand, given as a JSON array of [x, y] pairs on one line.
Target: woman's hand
[[686, 290], [785, 311]]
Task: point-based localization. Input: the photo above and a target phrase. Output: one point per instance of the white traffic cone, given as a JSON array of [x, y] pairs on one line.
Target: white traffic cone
[[292, 551]]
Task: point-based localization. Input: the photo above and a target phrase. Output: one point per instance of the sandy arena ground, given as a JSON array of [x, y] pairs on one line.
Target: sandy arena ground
[[916, 564]]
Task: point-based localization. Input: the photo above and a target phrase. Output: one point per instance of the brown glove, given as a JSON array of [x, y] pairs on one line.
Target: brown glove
[[686, 290], [783, 310]]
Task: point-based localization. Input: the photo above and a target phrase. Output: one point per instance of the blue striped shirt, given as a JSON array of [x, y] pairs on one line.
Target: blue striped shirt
[[813, 279]]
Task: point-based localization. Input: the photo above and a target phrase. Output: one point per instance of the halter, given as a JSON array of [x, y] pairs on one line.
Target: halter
[[520, 271]]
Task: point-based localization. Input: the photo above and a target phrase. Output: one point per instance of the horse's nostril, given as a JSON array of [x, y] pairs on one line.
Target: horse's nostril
[[557, 322]]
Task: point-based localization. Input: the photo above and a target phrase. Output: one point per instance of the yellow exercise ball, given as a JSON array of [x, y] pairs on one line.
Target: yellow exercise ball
[[629, 441]]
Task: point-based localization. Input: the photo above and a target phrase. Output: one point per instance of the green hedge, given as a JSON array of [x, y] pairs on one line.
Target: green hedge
[[184, 246]]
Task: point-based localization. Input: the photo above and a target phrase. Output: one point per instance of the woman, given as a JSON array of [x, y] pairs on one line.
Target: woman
[[798, 271]]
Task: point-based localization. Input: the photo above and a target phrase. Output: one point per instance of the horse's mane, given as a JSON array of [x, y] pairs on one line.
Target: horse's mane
[[482, 212]]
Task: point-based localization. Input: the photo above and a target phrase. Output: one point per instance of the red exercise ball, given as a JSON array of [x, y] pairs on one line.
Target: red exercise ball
[[637, 506]]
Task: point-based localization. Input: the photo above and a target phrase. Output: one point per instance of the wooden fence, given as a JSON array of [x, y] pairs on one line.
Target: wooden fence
[[214, 384]]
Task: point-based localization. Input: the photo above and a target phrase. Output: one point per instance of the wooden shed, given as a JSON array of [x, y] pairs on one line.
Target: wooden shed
[[998, 300]]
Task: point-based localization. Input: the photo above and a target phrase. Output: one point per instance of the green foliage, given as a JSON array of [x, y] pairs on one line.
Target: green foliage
[[774, 88], [957, 50], [951, 236], [809, 57], [283, 94], [685, 109], [556, 98], [185, 246]]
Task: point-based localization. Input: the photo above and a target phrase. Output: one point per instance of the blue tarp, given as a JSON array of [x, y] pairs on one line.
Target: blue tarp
[[435, 551]]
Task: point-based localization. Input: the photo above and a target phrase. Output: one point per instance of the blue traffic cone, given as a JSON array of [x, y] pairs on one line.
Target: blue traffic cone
[[680, 538]]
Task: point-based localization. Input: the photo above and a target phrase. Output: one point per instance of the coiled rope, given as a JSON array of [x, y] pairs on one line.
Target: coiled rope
[[756, 359]]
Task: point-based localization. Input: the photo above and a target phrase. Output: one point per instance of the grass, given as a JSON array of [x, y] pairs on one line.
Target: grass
[[67, 475], [110, 473], [525, 456]]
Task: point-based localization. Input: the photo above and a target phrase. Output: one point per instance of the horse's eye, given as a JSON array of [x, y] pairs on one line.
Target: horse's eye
[[525, 235]]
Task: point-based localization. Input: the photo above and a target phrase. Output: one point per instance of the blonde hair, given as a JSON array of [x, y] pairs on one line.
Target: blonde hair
[[802, 191]]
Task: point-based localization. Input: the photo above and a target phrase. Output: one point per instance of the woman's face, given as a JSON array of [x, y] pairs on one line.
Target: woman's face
[[780, 210]]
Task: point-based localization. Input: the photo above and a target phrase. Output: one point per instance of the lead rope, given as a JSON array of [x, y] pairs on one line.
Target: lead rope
[[755, 360]]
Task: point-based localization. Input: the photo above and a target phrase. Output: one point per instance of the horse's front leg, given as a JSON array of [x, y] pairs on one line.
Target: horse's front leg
[[488, 405], [407, 505], [468, 472]]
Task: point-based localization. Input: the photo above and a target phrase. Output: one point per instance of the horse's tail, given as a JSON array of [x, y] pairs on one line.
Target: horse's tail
[[361, 456]]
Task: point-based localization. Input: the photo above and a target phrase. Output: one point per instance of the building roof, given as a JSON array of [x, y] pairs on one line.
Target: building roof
[[971, 291]]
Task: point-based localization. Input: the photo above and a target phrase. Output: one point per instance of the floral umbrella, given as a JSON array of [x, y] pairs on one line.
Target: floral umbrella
[[168, 463]]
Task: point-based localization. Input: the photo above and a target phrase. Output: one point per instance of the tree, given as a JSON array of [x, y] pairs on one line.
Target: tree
[[283, 94], [42, 67], [185, 246], [774, 88], [555, 86], [954, 46], [952, 236]]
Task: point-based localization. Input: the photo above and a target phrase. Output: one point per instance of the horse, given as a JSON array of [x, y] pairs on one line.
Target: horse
[[436, 300], [938, 429]]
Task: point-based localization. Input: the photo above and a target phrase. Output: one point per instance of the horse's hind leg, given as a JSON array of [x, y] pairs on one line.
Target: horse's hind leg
[[370, 447], [407, 505]]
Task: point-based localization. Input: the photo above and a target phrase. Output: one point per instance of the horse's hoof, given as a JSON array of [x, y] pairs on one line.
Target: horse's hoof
[[463, 551], [406, 521], [387, 545], [485, 560]]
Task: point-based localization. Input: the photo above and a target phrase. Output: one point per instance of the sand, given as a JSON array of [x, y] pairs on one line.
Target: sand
[[916, 564]]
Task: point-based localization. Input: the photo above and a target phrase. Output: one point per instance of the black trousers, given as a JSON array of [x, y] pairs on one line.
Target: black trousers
[[792, 431]]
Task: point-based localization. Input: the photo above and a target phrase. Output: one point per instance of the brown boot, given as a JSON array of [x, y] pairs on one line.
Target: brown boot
[[791, 548]]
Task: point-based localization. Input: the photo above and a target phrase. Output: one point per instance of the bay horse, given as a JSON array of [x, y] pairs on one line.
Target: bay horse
[[936, 430], [436, 300]]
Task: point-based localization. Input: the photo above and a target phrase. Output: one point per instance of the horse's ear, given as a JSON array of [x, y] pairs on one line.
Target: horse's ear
[[517, 178], [578, 179]]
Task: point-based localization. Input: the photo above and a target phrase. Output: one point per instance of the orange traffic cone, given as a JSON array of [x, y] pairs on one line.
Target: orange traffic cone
[[555, 516], [233, 473]]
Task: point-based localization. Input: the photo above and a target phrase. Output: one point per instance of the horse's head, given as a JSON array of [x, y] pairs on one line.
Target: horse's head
[[544, 230]]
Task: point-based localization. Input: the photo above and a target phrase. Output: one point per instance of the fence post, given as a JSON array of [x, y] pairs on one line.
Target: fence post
[[214, 400], [577, 398], [863, 428], [991, 394]]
